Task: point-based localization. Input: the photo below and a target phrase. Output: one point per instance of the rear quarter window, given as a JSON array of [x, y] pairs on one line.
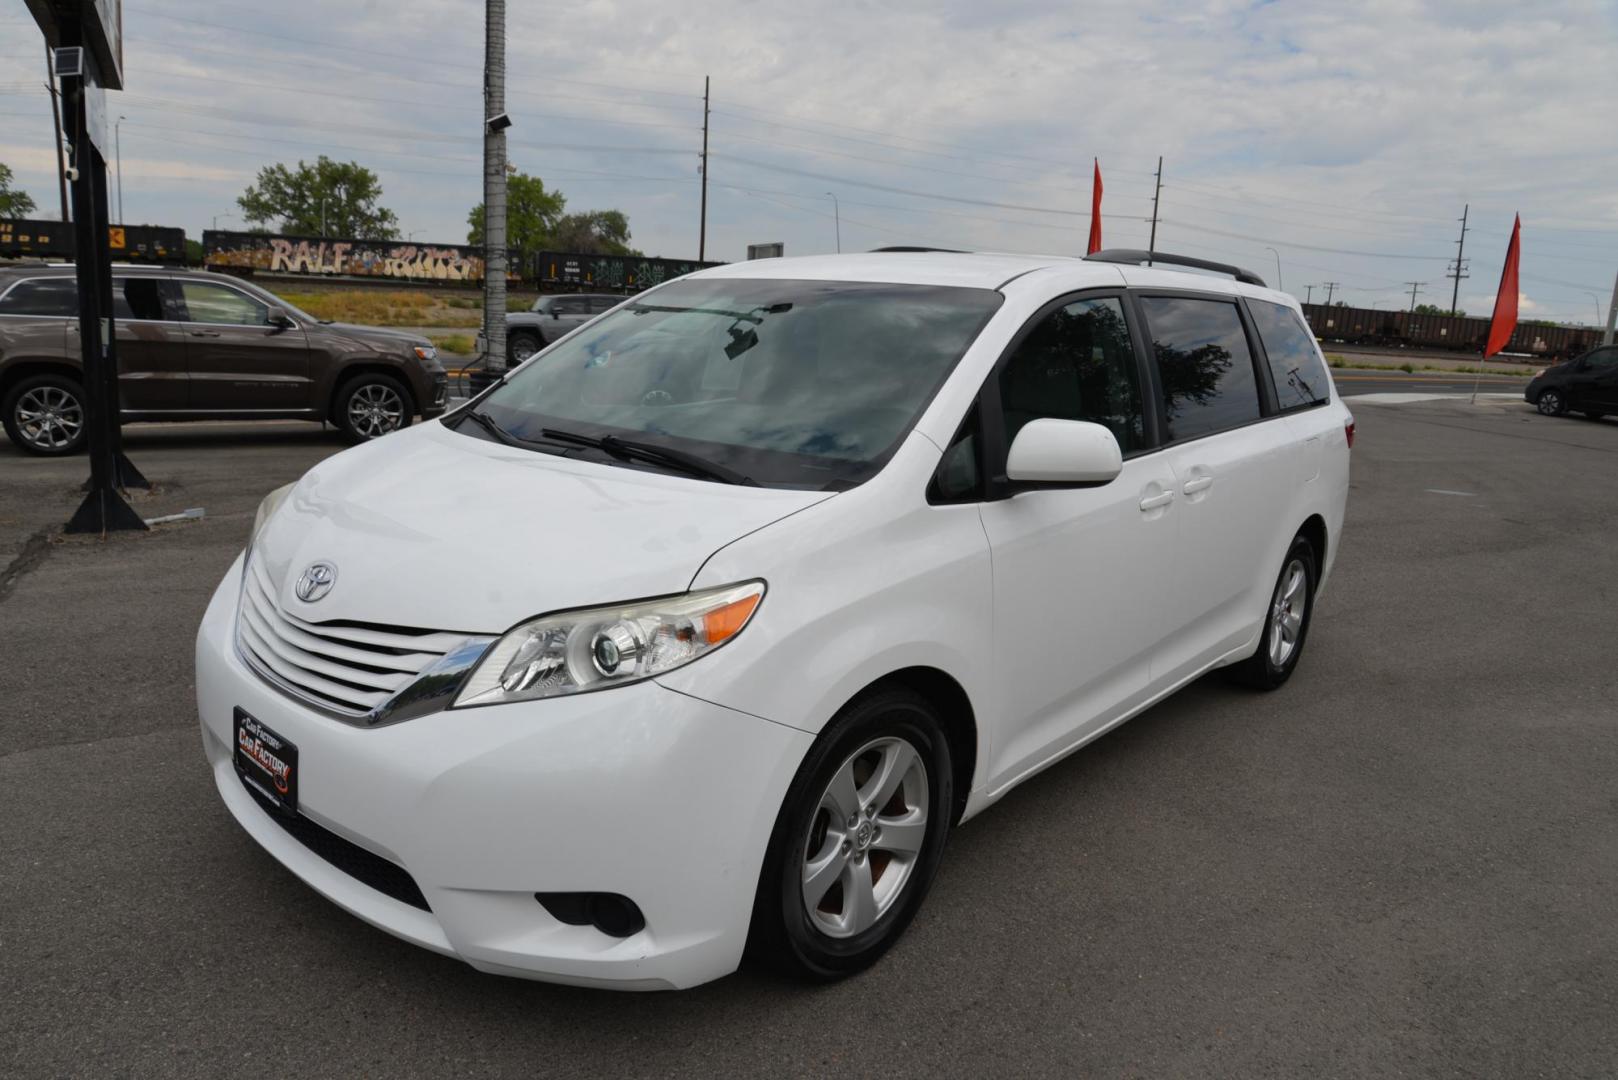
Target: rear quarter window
[[43, 297], [1295, 366]]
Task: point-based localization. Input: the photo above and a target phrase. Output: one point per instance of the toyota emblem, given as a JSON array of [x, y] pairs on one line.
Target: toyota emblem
[[316, 581]]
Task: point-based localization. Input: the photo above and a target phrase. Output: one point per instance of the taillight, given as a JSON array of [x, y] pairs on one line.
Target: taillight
[[1348, 430]]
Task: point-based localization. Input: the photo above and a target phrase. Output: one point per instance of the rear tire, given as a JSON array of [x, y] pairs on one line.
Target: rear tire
[[857, 841], [1286, 622], [46, 415], [371, 405]]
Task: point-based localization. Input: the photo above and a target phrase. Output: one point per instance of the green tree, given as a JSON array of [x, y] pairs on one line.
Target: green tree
[[531, 215], [594, 232], [14, 203], [1434, 309], [294, 198]]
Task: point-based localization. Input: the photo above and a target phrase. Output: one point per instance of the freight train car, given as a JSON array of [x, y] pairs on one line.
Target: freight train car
[[1452, 333], [27, 238]]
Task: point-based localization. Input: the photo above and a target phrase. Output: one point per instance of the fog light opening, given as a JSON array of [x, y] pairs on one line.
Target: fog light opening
[[614, 915]]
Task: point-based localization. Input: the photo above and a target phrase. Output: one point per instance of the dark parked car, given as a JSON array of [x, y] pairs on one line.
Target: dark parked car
[[199, 346], [529, 331], [1588, 385]]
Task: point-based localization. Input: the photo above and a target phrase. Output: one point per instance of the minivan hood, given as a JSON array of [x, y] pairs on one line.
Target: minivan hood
[[433, 529]]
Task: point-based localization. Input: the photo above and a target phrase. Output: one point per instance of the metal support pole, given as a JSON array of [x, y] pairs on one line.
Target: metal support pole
[[1157, 191], [56, 119], [1460, 265], [837, 220], [494, 192], [702, 224], [103, 509], [1612, 315]]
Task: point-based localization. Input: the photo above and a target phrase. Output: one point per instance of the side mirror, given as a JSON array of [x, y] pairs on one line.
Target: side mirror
[[556, 313], [1051, 451], [279, 319]]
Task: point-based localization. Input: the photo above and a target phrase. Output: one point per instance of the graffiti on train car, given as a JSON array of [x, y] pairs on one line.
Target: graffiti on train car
[[392, 259], [630, 273]]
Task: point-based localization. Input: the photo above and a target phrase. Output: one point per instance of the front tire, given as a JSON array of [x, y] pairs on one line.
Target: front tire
[[857, 841], [1551, 402], [1286, 621], [372, 405], [522, 345], [46, 415]]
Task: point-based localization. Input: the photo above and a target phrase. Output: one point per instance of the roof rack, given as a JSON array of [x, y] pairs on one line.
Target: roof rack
[[904, 248], [1134, 256]]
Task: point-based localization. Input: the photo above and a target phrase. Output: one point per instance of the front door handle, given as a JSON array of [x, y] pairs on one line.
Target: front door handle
[[1196, 484], [1152, 502], [204, 333]]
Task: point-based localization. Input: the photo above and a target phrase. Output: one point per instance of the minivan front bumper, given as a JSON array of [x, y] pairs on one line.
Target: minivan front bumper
[[640, 791]]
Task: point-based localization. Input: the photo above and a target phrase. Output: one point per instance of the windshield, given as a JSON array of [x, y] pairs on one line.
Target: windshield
[[806, 384]]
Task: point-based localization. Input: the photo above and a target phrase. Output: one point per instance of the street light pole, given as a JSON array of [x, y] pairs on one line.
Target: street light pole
[[118, 155], [837, 219], [1278, 282], [216, 218]]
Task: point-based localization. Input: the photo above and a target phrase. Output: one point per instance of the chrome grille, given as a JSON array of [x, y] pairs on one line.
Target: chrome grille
[[345, 667]]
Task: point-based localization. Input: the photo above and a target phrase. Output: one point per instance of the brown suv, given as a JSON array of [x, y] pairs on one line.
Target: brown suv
[[199, 346]]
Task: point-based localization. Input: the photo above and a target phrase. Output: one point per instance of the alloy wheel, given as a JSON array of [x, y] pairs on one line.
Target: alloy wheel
[[1286, 612], [866, 837], [522, 347], [49, 417], [1550, 402], [375, 409]]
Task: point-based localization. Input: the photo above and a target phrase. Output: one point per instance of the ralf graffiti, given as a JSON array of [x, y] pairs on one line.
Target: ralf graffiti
[[346, 258]]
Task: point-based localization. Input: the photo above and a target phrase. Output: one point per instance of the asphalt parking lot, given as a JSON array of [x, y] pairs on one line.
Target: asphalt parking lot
[[1404, 863]]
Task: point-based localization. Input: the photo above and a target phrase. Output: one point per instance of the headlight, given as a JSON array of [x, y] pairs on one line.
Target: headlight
[[573, 651], [267, 508], [426, 352]]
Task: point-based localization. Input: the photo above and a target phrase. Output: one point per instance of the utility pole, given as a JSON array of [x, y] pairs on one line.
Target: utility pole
[[1612, 315], [837, 219], [1331, 287], [1458, 271], [1309, 294], [1157, 190], [495, 123], [702, 224], [56, 119], [1415, 287], [118, 154]]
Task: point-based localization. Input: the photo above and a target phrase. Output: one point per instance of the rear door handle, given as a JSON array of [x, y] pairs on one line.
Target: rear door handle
[[1196, 484], [204, 333], [1152, 502]]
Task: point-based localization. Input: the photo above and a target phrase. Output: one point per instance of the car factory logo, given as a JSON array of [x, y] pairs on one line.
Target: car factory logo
[[316, 581]]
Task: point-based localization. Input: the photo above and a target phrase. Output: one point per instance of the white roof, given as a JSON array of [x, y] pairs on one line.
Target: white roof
[[982, 270], [967, 269]]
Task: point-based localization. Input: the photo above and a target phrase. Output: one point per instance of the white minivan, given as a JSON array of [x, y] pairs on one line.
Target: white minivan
[[694, 636]]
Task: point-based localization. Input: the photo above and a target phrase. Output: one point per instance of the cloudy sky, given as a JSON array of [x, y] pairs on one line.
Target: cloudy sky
[[1346, 137]]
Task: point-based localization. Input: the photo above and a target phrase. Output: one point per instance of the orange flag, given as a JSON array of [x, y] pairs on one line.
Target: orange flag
[[1095, 212], [1505, 301]]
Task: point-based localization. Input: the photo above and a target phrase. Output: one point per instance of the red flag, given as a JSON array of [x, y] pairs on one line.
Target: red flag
[[1505, 301], [1095, 212]]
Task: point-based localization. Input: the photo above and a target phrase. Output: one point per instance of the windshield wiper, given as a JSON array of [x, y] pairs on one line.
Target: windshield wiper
[[651, 452], [487, 423]]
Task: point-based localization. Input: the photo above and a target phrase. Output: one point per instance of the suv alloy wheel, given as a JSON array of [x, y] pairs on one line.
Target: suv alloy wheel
[[45, 415]]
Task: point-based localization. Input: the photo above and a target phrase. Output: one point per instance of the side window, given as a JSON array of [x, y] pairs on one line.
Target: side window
[[208, 303], [1203, 363], [570, 305], [1077, 364], [48, 297], [1295, 366], [1603, 358], [137, 298], [598, 304]]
